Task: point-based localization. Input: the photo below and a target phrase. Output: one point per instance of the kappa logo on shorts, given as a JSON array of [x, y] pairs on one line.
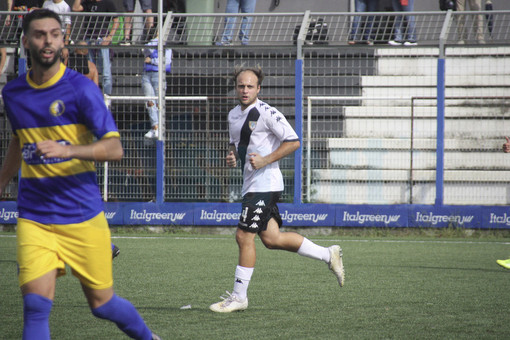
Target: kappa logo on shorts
[[261, 203], [256, 218], [258, 211], [253, 226]]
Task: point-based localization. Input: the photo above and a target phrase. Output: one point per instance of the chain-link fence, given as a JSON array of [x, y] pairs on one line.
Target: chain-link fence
[[371, 141]]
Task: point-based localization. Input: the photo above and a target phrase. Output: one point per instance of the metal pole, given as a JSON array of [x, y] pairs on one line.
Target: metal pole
[[160, 143]]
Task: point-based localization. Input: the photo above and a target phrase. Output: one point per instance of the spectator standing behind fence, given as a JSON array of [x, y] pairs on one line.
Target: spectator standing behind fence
[[61, 7], [259, 137], [361, 30], [97, 32], [16, 21], [505, 263], [79, 61], [60, 128], [129, 6], [237, 6], [474, 5], [150, 82], [404, 34]]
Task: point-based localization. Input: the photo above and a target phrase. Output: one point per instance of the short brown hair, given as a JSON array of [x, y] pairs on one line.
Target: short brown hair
[[257, 70]]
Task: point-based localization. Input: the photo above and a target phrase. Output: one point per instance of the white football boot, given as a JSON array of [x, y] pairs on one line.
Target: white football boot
[[336, 264], [230, 303]]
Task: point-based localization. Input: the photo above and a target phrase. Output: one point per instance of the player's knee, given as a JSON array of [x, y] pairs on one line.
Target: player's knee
[[36, 307], [270, 243]]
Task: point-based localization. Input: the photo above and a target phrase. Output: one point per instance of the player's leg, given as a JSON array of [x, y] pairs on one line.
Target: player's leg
[[86, 248], [294, 242], [115, 251], [38, 298], [238, 300], [105, 304], [38, 265]]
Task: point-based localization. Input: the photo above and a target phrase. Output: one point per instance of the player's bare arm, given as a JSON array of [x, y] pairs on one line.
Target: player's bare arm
[[106, 149], [11, 164], [286, 148]]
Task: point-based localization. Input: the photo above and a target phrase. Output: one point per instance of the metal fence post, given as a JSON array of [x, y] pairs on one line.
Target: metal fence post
[[298, 106], [440, 110]]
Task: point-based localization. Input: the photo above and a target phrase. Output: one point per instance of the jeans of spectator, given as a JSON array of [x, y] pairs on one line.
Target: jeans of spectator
[[359, 31], [150, 87], [401, 34], [236, 6], [101, 57]]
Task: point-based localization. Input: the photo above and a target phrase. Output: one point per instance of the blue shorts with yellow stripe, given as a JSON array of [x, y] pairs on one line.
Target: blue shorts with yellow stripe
[[85, 247]]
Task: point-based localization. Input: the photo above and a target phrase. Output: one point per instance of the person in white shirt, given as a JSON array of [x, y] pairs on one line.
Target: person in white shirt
[[259, 137], [61, 7]]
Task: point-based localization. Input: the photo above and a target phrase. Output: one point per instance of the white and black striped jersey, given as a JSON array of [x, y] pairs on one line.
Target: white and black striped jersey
[[259, 129]]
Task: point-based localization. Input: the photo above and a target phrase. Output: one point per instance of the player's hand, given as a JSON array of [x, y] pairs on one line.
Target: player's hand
[[231, 159], [257, 161], [506, 146], [52, 149]]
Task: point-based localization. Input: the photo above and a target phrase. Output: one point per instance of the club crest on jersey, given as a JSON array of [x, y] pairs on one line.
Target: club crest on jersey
[[57, 108], [252, 124]]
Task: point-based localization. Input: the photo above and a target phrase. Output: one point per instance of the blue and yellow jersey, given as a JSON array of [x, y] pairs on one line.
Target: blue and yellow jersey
[[70, 109]]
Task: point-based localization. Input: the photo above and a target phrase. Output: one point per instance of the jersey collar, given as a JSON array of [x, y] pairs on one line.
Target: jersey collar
[[52, 81]]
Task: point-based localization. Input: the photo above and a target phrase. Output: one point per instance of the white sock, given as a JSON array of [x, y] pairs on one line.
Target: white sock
[[314, 251], [243, 277]]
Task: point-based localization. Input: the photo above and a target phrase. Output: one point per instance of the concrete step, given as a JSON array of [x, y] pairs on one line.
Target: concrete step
[[395, 154], [499, 109], [455, 193], [480, 80], [399, 175], [455, 51], [460, 61], [425, 127], [483, 93]]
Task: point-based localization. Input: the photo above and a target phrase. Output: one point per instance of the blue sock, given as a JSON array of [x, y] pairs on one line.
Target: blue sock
[[125, 316], [36, 315]]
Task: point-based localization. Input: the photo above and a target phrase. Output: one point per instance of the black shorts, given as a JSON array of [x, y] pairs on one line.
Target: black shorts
[[258, 209]]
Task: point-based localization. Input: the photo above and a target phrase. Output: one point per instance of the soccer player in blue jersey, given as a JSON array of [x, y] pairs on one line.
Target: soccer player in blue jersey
[[260, 136], [61, 126]]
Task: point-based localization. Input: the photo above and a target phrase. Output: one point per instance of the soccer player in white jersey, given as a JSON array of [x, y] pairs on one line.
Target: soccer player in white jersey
[[259, 137]]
